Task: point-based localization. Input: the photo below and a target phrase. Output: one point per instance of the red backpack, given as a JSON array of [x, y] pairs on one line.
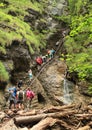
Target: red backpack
[[39, 60], [30, 94]]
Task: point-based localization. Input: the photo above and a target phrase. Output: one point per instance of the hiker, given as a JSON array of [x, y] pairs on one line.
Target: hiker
[[30, 74], [29, 96], [51, 53], [39, 62], [20, 83], [64, 33], [15, 91], [44, 59], [20, 98], [12, 99]]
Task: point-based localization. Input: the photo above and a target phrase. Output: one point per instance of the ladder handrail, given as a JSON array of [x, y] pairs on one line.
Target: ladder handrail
[[48, 62]]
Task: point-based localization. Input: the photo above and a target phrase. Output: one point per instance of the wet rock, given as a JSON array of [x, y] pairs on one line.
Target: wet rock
[[41, 98], [52, 80]]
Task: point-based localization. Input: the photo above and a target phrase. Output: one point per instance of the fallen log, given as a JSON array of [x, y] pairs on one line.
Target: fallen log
[[44, 124], [59, 108], [83, 115], [2, 116], [64, 124], [88, 109], [36, 118], [58, 99], [24, 113], [84, 128], [90, 123]]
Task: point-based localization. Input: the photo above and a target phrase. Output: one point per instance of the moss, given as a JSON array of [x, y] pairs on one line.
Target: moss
[[4, 76], [16, 29], [13, 27]]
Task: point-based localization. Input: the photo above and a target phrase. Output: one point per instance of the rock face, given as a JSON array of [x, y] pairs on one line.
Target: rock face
[[41, 99], [52, 80]]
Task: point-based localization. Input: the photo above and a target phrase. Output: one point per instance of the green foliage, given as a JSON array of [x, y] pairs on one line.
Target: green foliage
[[1, 5], [90, 89], [3, 73], [76, 7], [14, 28], [78, 42], [76, 45], [80, 63]]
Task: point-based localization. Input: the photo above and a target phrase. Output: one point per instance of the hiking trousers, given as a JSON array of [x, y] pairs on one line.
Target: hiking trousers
[[29, 103]]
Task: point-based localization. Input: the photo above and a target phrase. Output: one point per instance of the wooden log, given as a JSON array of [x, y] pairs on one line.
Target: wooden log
[[84, 128], [36, 118], [59, 108], [58, 100], [28, 119], [83, 115], [43, 124], [64, 124], [28, 113], [90, 123], [2, 115], [88, 109], [49, 121]]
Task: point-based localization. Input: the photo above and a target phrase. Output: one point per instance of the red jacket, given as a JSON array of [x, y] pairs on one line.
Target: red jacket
[[39, 60]]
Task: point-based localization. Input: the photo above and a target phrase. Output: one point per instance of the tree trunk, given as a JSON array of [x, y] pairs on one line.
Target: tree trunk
[[42, 125], [84, 128], [36, 118]]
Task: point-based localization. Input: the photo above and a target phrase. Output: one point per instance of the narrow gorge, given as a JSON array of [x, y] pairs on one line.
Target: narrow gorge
[[28, 29]]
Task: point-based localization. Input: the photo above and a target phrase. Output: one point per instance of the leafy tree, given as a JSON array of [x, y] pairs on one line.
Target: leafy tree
[[78, 43]]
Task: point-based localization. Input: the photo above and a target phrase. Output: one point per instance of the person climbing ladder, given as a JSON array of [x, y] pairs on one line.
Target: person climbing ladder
[[51, 53], [39, 62], [30, 74]]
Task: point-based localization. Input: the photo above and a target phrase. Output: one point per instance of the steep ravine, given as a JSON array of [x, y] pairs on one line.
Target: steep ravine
[[48, 86], [18, 59]]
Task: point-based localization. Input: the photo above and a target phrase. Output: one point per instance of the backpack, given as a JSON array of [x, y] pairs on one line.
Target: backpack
[[28, 94], [20, 95], [39, 60], [32, 94]]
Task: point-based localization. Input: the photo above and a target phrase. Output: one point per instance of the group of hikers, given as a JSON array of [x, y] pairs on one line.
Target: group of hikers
[[43, 59], [17, 97], [40, 60]]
